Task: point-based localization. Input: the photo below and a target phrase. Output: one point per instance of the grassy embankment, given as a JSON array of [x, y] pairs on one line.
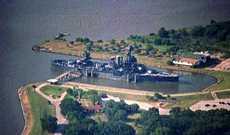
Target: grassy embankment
[[38, 106], [54, 91], [222, 84], [223, 80], [187, 101], [223, 95]]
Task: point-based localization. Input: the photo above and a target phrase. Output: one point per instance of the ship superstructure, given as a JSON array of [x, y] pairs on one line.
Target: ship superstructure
[[116, 68]]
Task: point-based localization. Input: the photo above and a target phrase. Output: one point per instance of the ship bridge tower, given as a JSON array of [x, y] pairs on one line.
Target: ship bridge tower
[[130, 59]]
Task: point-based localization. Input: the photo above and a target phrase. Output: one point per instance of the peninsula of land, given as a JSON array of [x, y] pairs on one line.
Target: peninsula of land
[[60, 106]]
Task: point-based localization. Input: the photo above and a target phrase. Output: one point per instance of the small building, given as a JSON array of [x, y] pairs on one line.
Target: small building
[[52, 81], [184, 61]]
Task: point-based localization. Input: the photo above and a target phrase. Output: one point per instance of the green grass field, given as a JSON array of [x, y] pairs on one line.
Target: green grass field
[[224, 94], [187, 101], [52, 90], [224, 78], [162, 48], [38, 106]]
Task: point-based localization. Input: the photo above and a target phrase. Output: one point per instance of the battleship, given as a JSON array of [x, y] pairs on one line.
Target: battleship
[[116, 68]]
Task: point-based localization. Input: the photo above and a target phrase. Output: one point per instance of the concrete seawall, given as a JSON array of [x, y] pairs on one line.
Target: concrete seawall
[[26, 110], [20, 92]]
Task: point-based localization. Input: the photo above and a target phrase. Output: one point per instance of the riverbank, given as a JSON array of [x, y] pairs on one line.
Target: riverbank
[[26, 109], [33, 107]]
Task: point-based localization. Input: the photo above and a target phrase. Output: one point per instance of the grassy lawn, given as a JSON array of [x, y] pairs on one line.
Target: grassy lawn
[[187, 101], [224, 78], [162, 48], [38, 106], [224, 94], [128, 96], [53, 90]]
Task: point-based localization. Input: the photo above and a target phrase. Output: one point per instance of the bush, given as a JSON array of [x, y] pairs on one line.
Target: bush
[[169, 62]]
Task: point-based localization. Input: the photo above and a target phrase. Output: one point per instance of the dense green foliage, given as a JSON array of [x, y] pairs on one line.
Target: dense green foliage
[[49, 123], [116, 111], [214, 37], [79, 93], [80, 124], [186, 122], [116, 128], [72, 107], [179, 122]]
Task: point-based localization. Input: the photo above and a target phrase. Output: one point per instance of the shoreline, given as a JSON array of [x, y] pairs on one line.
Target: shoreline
[[26, 110]]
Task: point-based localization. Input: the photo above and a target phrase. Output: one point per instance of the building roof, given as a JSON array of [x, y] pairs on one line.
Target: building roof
[[187, 60], [52, 80]]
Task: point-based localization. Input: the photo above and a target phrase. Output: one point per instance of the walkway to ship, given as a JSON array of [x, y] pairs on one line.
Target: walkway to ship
[[68, 76]]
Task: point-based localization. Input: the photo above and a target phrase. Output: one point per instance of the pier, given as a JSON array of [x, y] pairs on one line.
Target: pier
[[68, 76]]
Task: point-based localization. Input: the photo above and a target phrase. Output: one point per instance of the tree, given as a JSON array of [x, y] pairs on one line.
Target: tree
[[52, 124], [119, 110], [163, 33], [198, 31], [157, 41], [150, 120], [212, 22], [113, 41], [84, 126], [148, 48], [72, 92], [119, 115], [49, 123], [72, 106], [95, 99], [34, 87], [116, 128], [162, 131], [175, 111], [133, 108]]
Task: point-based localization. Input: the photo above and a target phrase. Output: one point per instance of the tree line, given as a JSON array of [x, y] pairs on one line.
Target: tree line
[[214, 37]]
